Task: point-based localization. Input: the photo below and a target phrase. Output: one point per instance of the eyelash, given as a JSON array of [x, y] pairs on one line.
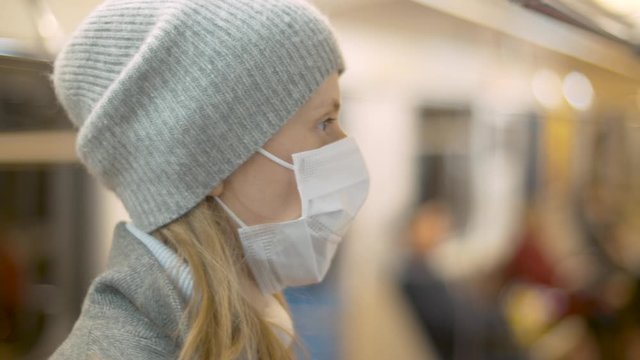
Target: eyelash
[[323, 125]]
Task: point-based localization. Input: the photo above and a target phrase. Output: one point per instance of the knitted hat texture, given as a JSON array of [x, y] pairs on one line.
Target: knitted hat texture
[[171, 96]]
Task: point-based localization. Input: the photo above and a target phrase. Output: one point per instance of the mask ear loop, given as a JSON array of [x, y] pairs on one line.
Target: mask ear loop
[[231, 213], [275, 159], [282, 163]]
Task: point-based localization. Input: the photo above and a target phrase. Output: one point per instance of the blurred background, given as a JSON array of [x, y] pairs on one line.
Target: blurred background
[[503, 142]]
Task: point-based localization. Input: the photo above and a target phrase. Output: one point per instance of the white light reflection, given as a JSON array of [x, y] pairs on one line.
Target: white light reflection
[[577, 90], [621, 7], [546, 86]]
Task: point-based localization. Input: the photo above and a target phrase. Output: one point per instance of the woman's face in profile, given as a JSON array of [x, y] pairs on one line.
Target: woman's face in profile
[[261, 191]]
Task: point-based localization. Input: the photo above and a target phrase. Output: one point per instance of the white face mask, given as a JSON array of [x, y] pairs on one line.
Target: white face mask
[[333, 183]]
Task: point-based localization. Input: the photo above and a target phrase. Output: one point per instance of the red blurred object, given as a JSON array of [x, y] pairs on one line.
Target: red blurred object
[[11, 293], [530, 265]]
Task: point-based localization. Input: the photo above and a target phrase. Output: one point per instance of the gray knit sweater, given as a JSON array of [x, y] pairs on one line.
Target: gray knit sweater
[[131, 311]]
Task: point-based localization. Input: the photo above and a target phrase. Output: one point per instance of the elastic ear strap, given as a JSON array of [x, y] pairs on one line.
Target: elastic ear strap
[[275, 159], [231, 213]]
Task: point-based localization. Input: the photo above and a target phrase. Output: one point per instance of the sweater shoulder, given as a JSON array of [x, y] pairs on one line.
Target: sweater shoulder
[[131, 311], [111, 327]]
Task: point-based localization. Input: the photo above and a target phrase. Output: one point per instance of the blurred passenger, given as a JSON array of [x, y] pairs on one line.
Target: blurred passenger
[[556, 317], [457, 323], [614, 292]]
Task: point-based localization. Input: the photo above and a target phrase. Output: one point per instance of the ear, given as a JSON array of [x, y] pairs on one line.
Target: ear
[[218, 190]]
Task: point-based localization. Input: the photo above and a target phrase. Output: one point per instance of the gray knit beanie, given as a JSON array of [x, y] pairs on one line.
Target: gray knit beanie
[[171, 96]]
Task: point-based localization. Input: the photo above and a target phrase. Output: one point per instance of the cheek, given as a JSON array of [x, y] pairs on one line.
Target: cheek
[[282, 188], [279, 194], [270, 190]]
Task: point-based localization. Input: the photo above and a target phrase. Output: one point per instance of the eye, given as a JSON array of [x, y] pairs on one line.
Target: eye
[[325, 123]]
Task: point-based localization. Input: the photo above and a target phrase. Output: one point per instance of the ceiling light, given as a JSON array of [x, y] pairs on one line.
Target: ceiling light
[[577, 90]]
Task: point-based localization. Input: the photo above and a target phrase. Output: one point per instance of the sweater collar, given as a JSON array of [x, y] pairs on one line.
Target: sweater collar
[[142, 279]]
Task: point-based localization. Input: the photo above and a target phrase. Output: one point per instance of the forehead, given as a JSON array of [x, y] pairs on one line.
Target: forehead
[[326, 96]]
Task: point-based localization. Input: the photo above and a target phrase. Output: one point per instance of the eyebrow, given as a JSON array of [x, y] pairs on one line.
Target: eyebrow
[[335, 105]]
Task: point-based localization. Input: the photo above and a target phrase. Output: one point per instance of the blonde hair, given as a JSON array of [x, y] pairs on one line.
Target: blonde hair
[[221, 322]]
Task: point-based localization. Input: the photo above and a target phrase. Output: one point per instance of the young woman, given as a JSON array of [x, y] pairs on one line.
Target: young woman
[[215, 122]]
